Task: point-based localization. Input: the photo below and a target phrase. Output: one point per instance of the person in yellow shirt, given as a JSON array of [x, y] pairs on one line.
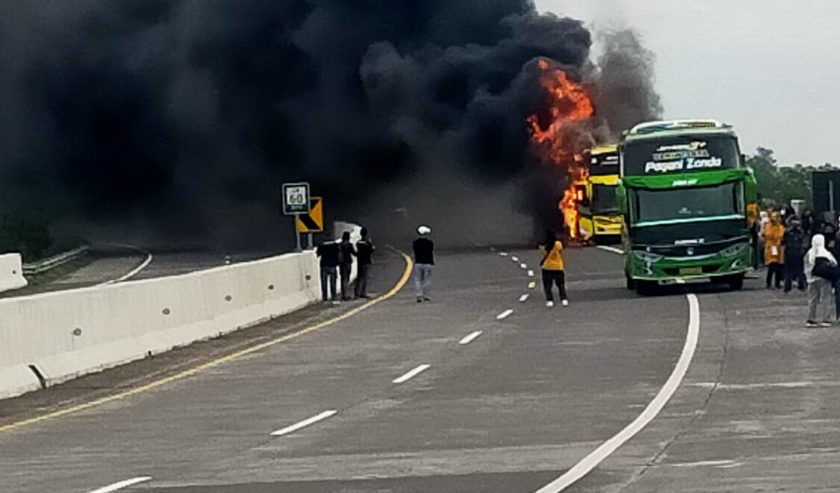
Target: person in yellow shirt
[[553, 269], [774, 255]]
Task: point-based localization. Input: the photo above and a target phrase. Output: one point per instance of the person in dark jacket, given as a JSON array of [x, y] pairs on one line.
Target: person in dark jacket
[[794, 244], [327, 252], [346, 252], [424, 259], [808, 224], [832, 244], [364, 257]]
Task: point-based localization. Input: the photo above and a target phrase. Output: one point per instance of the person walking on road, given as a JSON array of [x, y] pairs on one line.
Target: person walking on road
[[774, 233], [346, 252], [794, 250], [821, 272], [553, 269], [424, 259], [327, 252], [364, 259]]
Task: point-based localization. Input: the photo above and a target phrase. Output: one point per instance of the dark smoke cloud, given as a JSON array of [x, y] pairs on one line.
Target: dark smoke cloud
[[179, 119], [626, 95]]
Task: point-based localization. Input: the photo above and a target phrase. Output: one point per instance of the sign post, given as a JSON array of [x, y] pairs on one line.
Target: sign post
[[296, 202]]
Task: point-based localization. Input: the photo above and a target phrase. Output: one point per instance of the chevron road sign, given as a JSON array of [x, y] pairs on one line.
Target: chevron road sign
[[313, 221]]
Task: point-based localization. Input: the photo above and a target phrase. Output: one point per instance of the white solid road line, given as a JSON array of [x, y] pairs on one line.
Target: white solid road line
[[524, 298], [122, 484], [306, 422], [505, 314], [470, 338], [611, 249], [591, 461], [134, 271], [411, 374]]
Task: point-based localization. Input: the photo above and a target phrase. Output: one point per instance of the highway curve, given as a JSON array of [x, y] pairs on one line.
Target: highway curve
[[464, 395]]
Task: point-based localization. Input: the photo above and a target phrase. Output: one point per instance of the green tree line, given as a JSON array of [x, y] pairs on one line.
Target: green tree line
[[777, 184]]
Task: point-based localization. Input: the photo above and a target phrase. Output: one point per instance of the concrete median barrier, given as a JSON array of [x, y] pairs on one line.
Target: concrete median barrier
[[11, 272], [49, 338]]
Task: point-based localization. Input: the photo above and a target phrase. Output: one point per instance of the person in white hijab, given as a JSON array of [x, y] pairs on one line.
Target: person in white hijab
[[819, 288]]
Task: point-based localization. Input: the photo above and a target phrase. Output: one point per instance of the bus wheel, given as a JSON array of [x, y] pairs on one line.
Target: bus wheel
[[631, 284], [645, 288], [736, 282]]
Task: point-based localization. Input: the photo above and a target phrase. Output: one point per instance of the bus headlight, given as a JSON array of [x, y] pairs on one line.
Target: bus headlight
[[647, 257], [733, 250]]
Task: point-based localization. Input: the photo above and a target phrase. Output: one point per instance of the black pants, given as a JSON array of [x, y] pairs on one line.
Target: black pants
[[551, 277], [794, 272], [328, 283], [360, 289], [344, 273], [775, 270]]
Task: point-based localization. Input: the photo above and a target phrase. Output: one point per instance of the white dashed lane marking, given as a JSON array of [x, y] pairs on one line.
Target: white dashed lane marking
[[306, 422], [505, 314], [411, 374], [470, 338]]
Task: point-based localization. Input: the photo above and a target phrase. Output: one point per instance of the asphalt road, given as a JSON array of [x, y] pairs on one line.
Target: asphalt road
[[449, 397], [123, 264]]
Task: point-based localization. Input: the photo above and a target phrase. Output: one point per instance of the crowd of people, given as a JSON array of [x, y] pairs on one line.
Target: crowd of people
[[336, 263], [802, 251], [336, 260]]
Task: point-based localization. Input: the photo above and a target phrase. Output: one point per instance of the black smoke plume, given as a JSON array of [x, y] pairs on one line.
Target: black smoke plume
[[177, 120]]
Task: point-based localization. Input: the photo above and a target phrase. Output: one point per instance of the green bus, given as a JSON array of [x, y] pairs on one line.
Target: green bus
[[688, 205]]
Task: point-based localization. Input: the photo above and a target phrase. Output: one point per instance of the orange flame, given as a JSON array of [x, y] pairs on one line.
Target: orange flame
[[569, 103]]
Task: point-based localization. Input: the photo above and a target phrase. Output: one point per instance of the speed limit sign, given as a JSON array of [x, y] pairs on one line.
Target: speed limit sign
[[295, 198]]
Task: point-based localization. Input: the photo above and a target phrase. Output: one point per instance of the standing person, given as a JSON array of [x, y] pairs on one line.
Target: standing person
[[808, 224], [794, 250], [328, 253], [832, 236], [424, 259], [820, 270], [346, 252], [763, 221], [553, 269], [774, 233], [364, 257]]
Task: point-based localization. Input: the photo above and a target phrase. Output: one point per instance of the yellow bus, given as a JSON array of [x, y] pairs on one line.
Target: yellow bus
[[600, 221]]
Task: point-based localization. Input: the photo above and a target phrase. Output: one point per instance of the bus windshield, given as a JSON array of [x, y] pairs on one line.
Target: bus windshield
[[688, 203], [604, 199]]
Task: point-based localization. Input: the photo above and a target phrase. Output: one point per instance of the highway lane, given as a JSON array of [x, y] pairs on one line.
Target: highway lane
[[520, 402]]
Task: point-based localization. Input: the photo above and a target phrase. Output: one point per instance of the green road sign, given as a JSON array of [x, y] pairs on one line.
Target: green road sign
[[295, 198]]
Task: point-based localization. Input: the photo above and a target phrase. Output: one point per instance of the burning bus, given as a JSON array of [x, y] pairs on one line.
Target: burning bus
[[599, 219]]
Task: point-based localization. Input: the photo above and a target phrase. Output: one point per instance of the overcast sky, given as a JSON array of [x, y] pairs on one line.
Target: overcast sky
[[769, 67]]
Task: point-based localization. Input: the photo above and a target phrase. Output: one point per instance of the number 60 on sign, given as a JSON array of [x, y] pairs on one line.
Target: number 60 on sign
[[295, 198]]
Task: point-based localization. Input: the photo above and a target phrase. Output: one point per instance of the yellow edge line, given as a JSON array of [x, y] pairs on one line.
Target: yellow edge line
[[211, 364]]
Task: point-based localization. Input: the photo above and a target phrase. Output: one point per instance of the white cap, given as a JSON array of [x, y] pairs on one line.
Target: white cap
[[423, 230]]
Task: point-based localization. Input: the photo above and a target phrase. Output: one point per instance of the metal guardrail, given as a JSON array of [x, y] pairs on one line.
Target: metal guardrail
[[35, 268]]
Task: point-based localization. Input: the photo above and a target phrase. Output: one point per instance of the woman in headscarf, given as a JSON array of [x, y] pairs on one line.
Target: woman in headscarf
[[774, 234], [820, 270]]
